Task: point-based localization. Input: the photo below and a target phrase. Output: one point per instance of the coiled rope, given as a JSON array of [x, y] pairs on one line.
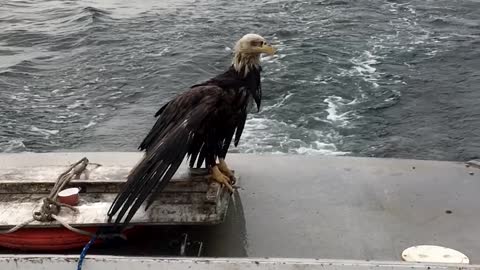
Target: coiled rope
[[50, 207]]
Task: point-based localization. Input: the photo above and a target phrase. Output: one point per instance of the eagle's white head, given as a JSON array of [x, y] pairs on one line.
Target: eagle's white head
[[247, 52]]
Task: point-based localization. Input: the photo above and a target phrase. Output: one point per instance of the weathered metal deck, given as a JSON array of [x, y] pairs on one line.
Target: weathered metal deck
[[26, 179]]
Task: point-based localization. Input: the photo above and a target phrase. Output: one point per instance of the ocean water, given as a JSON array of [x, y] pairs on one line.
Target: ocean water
[[365, 78]]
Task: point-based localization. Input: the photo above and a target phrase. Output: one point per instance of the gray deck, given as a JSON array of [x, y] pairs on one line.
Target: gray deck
[[357, 208], [337, 207]]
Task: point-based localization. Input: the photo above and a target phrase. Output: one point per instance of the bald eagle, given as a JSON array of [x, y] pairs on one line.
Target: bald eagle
[[199, 123]]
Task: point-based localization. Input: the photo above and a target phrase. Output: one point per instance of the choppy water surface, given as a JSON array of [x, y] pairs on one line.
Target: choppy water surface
[[369, 78]]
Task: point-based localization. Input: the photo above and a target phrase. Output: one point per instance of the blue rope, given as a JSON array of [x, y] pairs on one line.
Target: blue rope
[[83, 254]]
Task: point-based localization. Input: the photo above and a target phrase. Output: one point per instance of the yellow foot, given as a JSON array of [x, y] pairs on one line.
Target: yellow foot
[[226, 171], [218, 176]]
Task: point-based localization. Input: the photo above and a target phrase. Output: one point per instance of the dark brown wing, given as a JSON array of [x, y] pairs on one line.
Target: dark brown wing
[[176, 110], [166, 145], [232, 115], [229, 122]]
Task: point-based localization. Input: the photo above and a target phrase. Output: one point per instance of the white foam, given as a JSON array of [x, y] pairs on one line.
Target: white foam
[[76, 104], [432, 53], [353, 102], [279, 103], [334, 103], [58, 121], [363, 68], [269, 135], [269, 58], [14, 145], [46, 132], [313, 151], [90, 124], [164, 51], [18, 97]]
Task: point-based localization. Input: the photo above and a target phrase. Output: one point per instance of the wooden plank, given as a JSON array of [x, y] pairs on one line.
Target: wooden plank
[[197, 184], [162, 198], [213, 193], [51, 172], [103, 180], [167, 209]]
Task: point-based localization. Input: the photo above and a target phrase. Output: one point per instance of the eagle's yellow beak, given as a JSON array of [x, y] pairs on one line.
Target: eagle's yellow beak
[[268, 49]]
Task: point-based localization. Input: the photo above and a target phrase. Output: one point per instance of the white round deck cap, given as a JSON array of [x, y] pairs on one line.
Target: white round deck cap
[[433, 254]]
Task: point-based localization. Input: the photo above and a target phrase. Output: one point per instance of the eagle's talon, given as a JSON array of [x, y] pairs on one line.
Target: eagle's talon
[[233, 179], [222, 165], [219, 177], [231, 176]]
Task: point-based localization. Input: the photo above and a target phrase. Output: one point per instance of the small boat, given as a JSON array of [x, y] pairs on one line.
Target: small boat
[[26, 181]]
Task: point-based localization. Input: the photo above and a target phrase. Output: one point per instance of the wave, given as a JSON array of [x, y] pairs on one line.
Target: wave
[[279, 103], [46, 132], [336, 103], [90, 124], [364, 68], [12, 146], [93, 14]]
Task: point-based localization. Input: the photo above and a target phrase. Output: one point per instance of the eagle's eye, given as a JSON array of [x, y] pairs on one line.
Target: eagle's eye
[[256, 43]]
